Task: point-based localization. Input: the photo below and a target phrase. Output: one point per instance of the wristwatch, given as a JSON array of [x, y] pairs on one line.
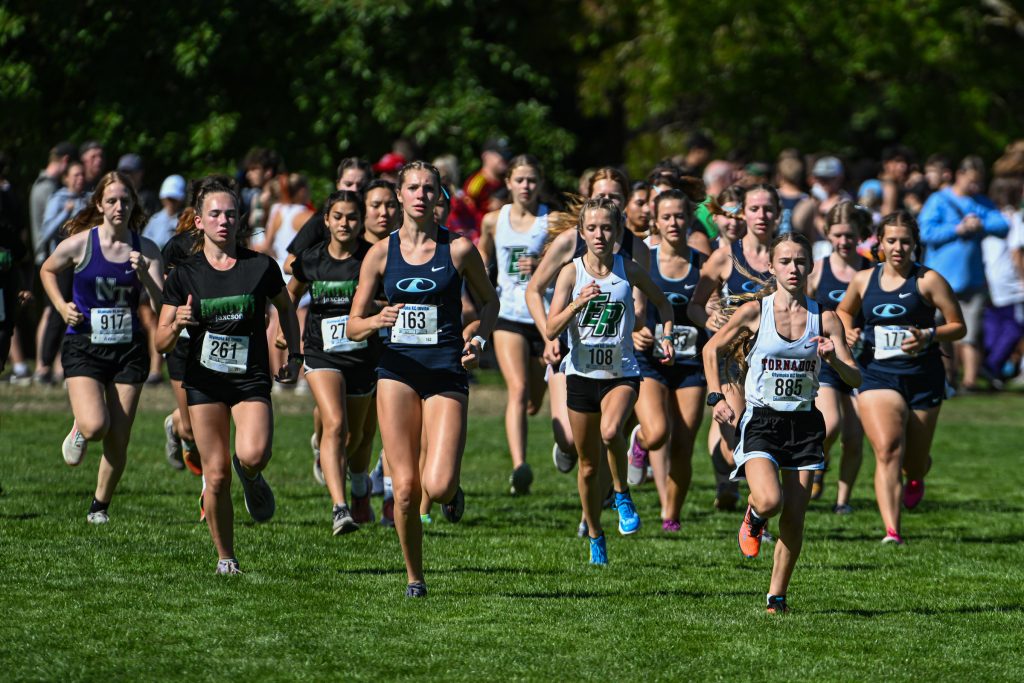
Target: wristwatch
[[714, 397], [481, 341], [296, 356]]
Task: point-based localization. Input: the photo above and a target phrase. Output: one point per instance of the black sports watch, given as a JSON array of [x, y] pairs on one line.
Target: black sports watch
[[296, 356], [714, 397]]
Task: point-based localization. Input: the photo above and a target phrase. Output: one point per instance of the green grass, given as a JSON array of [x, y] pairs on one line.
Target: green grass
[[511, 594]]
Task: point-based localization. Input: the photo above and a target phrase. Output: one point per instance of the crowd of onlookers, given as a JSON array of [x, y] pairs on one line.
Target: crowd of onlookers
[[971, 221]]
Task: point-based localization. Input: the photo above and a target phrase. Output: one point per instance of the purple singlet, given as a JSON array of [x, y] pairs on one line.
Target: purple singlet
[[107, 294]]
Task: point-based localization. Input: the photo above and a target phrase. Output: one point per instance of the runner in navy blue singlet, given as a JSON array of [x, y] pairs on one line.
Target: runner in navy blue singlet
[[105, 354], [422, 389], [904, 382]]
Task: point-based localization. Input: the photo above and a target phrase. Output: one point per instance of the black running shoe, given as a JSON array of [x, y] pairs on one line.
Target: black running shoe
[[417, 589], [454, 510]]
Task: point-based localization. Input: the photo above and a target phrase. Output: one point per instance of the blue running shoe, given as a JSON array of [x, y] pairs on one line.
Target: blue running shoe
[[629, 520], [416, 589], [598, 551]]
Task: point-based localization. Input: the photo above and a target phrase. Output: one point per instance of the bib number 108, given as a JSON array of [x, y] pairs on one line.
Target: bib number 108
[[602, 357]]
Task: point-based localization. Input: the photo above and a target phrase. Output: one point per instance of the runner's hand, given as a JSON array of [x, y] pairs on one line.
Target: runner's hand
[[281, 342], [471, 355], [139, 262], [669, 350], [643, 339], [916, 341], [183, 315], [826, 348], [289, 372], [388, 315], [723, 413], [852, 337], [553, 353], [72, 316], [526, 264]]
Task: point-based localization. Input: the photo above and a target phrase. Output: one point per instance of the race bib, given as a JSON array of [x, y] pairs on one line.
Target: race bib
[[225, 353], [889, 342], [332, 330], [789, 390], [111, 325], [604, 359], [684, 339], [416, 324]]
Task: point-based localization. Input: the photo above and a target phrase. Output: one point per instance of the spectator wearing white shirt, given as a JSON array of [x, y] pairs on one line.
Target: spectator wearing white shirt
[[162, 224]]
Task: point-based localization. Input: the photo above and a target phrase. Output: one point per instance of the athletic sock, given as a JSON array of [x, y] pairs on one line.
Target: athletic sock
[[388, 491], [360, 483], [775, 598], [756, 522], [97, 506]]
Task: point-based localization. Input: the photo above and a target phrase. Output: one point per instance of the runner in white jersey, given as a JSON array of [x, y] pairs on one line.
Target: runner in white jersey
[[781, 430], [514, 236], [593, 300]]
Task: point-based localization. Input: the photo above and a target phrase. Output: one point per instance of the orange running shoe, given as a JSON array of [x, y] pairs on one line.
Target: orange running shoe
[[190, 455], [750, 535]]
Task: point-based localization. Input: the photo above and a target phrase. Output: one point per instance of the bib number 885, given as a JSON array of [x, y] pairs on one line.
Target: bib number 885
[[789, 387]]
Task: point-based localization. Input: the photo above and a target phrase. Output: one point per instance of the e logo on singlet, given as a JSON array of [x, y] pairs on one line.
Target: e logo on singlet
[[837, 295], [603, 316], [677, 299], [750, 287], [888, 310], [107, 290], [514, 254], [416, 285]]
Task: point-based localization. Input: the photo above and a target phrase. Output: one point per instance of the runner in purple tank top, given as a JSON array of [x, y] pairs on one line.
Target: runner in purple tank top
[[105, 354]]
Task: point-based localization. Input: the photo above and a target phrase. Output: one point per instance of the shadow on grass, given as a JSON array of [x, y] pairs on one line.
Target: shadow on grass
[[24, 516], [925, 611], [581, 594]]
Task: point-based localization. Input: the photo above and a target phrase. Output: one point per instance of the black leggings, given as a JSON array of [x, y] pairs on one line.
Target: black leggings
[[53, 334]]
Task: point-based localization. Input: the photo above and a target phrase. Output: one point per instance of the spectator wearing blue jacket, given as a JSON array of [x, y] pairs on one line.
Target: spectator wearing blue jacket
[[954, 221]]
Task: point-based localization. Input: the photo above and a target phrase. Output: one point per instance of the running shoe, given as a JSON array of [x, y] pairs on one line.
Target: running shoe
[[777, 605], [362, 511], [564, 462], [416, 589], [98, 517], [343, 522], [318, 473], [892, 537], [259, 498], [582, 530], [520, 480], [598, 551], [173, 445], [227, 567], [387, 512], [74, 446], [670, 525], [629, 520], [202, 502], [636, 473], [609, 501], [426, 518], [190, 456], [913, 492], [842, 509], [750, 535], [454, 510], [727, 495], [377, 476], [818, 485]]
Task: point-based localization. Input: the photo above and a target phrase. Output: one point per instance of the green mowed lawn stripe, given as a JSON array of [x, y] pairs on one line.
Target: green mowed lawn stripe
[[511, 594]]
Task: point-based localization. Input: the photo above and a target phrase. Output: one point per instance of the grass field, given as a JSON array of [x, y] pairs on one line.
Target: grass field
[[511, 594]]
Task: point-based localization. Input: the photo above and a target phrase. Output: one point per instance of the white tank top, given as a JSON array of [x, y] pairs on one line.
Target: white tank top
[[781, 374], [286, 232], [601, 335], [509, 245]]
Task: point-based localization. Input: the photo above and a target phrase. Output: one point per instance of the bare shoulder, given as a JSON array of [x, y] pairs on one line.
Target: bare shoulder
[[462, 248]]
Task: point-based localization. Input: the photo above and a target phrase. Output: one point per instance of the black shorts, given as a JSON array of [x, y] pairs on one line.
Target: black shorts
[[228, 393], [429, 384], [534, 339], [675, 376], [921, 390], [105, 363], [360, 380], [791, 440], [584, 394], [177, 359]]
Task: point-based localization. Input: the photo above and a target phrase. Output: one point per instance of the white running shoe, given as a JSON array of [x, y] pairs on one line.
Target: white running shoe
[[74, 446], [636, 472], [98, 517], [318, 472], [564, 462], [173, 445]]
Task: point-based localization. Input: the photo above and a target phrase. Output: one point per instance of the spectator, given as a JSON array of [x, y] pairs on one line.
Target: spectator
[[937, 175], [789, 176], [388, 166], [163, 223], [699, 150], [718, 175], [953, 222], [131, 165], [1004, 318], [489, 179], [91, 156], [895, 172], [827, 176], [13, 292], [43, 188]]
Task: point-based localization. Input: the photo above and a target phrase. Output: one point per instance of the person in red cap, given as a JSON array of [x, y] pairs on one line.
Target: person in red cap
[[388, 166], [489, 179]]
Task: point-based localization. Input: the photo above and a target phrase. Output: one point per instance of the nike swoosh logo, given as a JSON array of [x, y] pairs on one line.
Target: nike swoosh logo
[[689, 286], [129, 272], [809, 344], [905, 295], [434, 270]]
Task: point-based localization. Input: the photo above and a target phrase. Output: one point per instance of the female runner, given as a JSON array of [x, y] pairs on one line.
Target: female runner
[[781, 432], [845, 226], [422, 373], [904, 383], [593, 300], [671, 402], [729, 219], [221, 295], [515, 235], [105, 352], [638, 210], [340, 372], [730, 274]]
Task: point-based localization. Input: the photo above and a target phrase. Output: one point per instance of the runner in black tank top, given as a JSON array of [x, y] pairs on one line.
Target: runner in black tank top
[[846, 226], [904, 382], [105, 356], [725, 281], [421, 388], [221, 295], [339, 371]]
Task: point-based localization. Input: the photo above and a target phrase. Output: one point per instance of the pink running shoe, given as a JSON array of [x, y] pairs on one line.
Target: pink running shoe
[[670, 525], [637, 471], [892, 537], [913, 492]]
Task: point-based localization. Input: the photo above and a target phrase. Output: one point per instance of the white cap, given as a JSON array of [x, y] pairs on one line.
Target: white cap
[[173, 187]]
